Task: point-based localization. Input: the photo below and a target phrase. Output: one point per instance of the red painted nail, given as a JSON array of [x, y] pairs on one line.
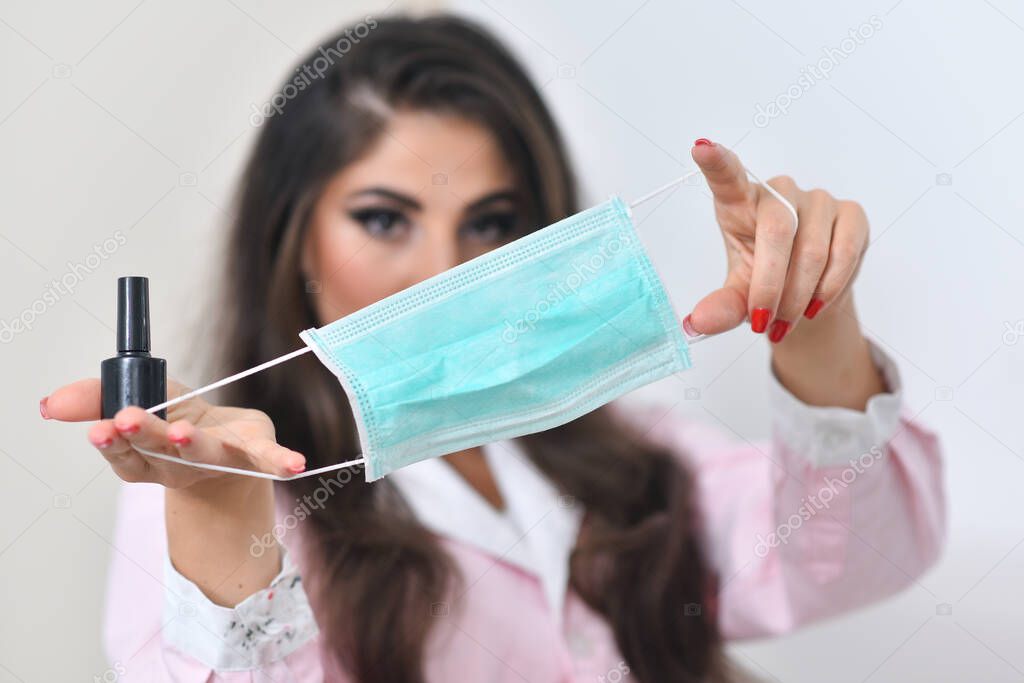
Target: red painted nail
[[688, 327], [104, 444], [759, 319], [813, 308], [42, 407], [703, 141], [130, 429], [182, 441], [779, 330]]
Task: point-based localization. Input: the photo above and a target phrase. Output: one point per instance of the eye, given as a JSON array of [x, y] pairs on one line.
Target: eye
[[381, 223], [499, 226]]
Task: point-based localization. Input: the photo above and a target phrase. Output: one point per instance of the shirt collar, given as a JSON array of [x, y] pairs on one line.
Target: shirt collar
[[535, 532]]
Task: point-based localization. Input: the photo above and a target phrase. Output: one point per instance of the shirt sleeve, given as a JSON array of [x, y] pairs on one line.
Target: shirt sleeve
[[158, 625], [838, 509], [265, 628]]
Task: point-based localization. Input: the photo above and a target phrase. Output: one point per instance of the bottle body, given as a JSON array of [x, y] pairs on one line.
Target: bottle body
[[133, 379]]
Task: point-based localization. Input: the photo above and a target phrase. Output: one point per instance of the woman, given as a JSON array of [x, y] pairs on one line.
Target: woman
[[625, 542]]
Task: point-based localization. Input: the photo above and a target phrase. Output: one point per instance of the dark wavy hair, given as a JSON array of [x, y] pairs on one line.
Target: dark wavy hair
[[373, 570]]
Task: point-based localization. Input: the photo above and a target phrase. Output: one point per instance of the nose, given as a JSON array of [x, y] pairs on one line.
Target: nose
[[439, 254]]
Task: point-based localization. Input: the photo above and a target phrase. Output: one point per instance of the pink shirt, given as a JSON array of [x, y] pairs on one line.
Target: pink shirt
[[838, 509]]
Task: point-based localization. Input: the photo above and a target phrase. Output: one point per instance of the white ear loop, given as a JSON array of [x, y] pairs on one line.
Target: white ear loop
[[237, 470], [228, 380], [695, 337], [691, 339], [248, 473], [686, 176]]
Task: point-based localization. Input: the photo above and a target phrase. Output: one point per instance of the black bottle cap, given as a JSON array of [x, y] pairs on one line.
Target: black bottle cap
[[133, 314]]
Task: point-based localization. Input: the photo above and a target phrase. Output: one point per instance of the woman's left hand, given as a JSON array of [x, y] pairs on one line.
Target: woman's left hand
[[777, 272]]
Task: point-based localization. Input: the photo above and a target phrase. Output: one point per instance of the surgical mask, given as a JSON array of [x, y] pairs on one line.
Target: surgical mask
[[521, 339], [524, 338]]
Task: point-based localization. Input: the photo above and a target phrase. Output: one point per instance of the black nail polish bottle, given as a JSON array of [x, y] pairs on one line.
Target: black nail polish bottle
[[133, 377]]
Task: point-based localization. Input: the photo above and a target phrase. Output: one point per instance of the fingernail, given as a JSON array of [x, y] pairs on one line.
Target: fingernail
[[104, 444], [181, 440], [779, 330], [813, 308], [759, 319], [703, 141], [42, 407], [296, 469], [688, 327], [129, 429]]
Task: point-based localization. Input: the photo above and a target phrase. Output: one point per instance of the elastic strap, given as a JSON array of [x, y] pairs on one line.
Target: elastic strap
[[692, 336], [686, 176], [248, 473], [228, 380], [238, 470]]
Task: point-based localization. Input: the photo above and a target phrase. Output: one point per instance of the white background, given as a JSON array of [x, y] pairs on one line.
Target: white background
[[134, 117]]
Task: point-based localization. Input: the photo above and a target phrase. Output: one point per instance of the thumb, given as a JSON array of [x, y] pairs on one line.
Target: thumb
[[723, 170], [720, 311]]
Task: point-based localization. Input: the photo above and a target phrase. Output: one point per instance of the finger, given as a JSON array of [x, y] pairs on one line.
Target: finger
[[80, 402], [192, 410], [146, 432], [111, 445], [75, 402], [220, 446], [849, 240], [198, 445], [118, 452], [720, 311], [724, 172], [132, 468], [817, 212], [142, 430], [774, 235], [103, 435], [272, 457]]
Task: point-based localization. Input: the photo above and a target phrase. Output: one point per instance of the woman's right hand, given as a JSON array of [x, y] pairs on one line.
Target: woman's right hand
[[194, 430], [211, 517]]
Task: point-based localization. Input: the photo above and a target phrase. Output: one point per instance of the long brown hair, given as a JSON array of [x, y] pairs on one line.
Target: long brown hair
[[639, 559]]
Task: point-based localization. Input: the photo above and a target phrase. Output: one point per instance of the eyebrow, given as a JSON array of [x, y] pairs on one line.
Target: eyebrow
[[412, 203], [390, 194], [491, 197]]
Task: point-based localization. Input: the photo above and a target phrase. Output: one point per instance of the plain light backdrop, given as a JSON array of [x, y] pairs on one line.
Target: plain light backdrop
[[123, 126]]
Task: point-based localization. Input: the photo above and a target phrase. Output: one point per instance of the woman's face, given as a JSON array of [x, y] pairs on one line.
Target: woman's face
[[432, 191]]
